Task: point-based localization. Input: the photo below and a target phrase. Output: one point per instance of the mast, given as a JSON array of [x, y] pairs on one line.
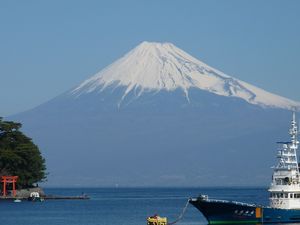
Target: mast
[[294, 137], [294, 133], [287, 155]]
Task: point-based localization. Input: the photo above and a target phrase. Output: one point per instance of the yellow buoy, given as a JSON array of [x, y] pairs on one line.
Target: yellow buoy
[[156, 220]]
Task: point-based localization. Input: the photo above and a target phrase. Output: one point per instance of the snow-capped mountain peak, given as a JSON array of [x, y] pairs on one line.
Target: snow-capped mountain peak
[[155, 66]]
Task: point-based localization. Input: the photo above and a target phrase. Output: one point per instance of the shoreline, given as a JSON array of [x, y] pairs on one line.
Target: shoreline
[[24, 194], [48, 197]]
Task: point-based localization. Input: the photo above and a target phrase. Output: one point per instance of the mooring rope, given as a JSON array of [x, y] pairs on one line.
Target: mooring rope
[[182, 214]]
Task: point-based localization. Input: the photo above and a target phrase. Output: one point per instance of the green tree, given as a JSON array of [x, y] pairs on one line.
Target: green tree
[[19, 156]]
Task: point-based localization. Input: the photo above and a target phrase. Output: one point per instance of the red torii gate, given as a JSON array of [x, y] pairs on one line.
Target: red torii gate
[[8, 180]]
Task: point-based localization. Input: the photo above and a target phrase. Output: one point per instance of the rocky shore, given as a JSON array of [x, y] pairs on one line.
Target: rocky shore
[[25, 193]]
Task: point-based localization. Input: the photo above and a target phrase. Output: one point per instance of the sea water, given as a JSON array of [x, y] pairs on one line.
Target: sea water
[[120, 206]]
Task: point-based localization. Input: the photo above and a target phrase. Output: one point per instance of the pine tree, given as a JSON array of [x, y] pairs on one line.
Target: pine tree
[[19, 156]]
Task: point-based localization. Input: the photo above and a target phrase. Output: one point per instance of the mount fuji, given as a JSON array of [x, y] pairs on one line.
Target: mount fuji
[[160, 117], [153, 67]]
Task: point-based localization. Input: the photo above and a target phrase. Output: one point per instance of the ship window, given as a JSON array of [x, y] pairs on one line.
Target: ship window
[[278, 195], [281, 195], [279, 181], [286, 195]]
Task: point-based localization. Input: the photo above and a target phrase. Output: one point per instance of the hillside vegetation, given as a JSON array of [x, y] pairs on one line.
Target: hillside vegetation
[[19, 156]]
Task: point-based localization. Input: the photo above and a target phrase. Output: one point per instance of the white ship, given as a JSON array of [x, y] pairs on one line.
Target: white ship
[[284, 193]]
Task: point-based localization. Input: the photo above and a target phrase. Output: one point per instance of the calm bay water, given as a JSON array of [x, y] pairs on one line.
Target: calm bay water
[[120, 206]]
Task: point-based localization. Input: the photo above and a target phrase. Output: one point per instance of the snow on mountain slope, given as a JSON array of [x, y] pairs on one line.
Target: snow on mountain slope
[[163, 66]]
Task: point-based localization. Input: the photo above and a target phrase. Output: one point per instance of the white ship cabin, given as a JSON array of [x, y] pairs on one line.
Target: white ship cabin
[[285, 186]]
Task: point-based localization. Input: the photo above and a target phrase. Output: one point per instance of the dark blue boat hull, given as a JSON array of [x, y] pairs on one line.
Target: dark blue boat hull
[[227, 212]]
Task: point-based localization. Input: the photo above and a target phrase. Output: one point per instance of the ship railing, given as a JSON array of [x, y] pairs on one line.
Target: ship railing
[[234, 202]]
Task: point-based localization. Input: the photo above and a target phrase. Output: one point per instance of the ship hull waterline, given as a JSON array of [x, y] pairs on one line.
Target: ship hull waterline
[[226, 212]]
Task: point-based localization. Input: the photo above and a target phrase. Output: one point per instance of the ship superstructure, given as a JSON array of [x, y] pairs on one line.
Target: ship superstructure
[[285, 186]]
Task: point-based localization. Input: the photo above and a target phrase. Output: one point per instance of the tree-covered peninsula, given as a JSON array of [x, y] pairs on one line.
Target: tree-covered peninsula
[[19, 156]]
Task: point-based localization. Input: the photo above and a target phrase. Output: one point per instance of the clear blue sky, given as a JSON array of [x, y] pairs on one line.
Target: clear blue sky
[[47, 47]]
